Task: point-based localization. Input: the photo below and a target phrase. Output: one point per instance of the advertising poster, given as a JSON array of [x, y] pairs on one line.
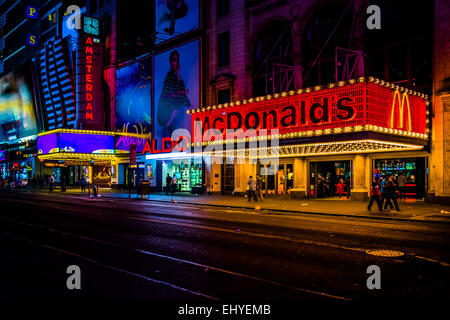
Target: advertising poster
[[176, 88], [175, 17], [47, 144], [80, 143], [17, 110], [101, 175], [133, 98]]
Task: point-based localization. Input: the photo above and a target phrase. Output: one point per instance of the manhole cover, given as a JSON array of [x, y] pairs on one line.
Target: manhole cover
[[385, 253]]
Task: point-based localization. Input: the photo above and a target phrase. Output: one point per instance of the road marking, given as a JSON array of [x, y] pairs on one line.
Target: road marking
[[202, 266], [445, 264], [137, 275]]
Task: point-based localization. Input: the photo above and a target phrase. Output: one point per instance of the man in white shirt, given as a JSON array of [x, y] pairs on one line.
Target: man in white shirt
[[174, 183], [252, 189], [402, 185]]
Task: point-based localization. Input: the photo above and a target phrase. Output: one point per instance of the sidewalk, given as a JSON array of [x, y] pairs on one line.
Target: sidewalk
[[417, 210]]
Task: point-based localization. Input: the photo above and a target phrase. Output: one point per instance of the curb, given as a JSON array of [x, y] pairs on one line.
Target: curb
[[292, 212], [271, 211]]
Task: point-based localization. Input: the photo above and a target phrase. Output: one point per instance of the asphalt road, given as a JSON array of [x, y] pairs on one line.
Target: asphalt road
[[145, 250]]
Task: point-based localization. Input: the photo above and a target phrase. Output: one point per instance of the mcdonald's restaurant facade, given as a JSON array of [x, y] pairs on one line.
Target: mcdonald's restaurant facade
[[303, 142]]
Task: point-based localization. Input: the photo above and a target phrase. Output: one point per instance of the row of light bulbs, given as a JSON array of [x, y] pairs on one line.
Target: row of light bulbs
[[320, 132], [311, 89]]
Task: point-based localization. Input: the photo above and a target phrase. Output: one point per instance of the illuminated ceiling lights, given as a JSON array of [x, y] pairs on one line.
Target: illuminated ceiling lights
[[331, 148]]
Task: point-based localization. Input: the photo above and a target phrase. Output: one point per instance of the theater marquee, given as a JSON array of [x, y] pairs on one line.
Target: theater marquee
[[357, 105]]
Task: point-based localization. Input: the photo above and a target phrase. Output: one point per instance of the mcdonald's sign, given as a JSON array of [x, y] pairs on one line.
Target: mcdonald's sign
[[399, 100], [340, 108]]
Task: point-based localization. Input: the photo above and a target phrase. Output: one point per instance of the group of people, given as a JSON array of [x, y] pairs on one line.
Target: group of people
[[171, 184], [255, 188], [386, 191]]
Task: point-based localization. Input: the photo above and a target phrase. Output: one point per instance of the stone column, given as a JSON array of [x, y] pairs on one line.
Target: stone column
[[300, 179], [242, 171], [360, 191]]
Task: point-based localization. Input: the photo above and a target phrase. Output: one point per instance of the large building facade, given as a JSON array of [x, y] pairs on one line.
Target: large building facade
[[260, 48], [352, 98]]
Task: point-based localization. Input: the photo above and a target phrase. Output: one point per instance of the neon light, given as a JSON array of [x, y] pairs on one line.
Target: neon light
[[401, 105], [353, 106], [89, 83]]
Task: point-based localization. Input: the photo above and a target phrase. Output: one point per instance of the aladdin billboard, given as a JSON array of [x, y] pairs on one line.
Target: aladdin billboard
[[318, 109]]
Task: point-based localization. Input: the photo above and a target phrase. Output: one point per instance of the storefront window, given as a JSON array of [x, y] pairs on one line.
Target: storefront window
[[188, 174], [413, 170]]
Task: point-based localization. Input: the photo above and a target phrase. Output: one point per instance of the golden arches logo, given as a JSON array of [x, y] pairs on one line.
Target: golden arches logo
[[401, 104]]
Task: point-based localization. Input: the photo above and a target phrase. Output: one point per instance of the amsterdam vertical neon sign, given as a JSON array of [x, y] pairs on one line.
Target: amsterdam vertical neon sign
[[89, 82]]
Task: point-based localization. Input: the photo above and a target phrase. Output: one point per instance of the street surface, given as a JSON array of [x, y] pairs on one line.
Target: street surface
[[146, 250]]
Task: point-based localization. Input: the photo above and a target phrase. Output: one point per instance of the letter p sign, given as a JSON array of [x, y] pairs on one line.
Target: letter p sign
[[32, 12]]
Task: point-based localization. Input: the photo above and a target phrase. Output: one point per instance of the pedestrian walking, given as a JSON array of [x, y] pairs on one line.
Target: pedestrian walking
[[375, 193], [401, 186], [63, 183], [252, 189], [384, 192], [51, 182], [174, 183], [83, 183], [168, 183], [391, 189], [340, 188], [259, 187]]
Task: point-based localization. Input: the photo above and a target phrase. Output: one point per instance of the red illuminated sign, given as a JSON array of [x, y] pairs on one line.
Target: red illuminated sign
[[167, 145], [357, 104], [89, 83]]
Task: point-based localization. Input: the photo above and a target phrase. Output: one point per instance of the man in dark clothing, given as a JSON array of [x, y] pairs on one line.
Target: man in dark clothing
[[391, 189], [83, 184], [384, 192], [375, 195], [168, 183]]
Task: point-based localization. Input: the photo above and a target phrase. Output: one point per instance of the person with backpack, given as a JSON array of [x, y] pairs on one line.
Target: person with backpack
[[168, 183], [391, 190], [375, 193]]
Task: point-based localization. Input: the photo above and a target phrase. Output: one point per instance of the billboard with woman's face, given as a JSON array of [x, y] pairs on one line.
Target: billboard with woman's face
[[17, 112], [175, 17], [176, 88]]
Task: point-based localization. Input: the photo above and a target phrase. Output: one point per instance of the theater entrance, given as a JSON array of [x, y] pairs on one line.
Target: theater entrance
[[324, 178]]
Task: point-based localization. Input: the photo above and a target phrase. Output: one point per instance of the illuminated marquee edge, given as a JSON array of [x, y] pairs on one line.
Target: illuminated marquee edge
[[374, 80], [329, 148], [87, 132], [320, 132]]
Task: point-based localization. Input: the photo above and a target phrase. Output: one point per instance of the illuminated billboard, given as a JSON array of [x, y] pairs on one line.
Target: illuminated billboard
[[133, 98], [176, 88], [315, 111], [47, 144], [17, 110], [175, 17], [83, 143], [75, 143]]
